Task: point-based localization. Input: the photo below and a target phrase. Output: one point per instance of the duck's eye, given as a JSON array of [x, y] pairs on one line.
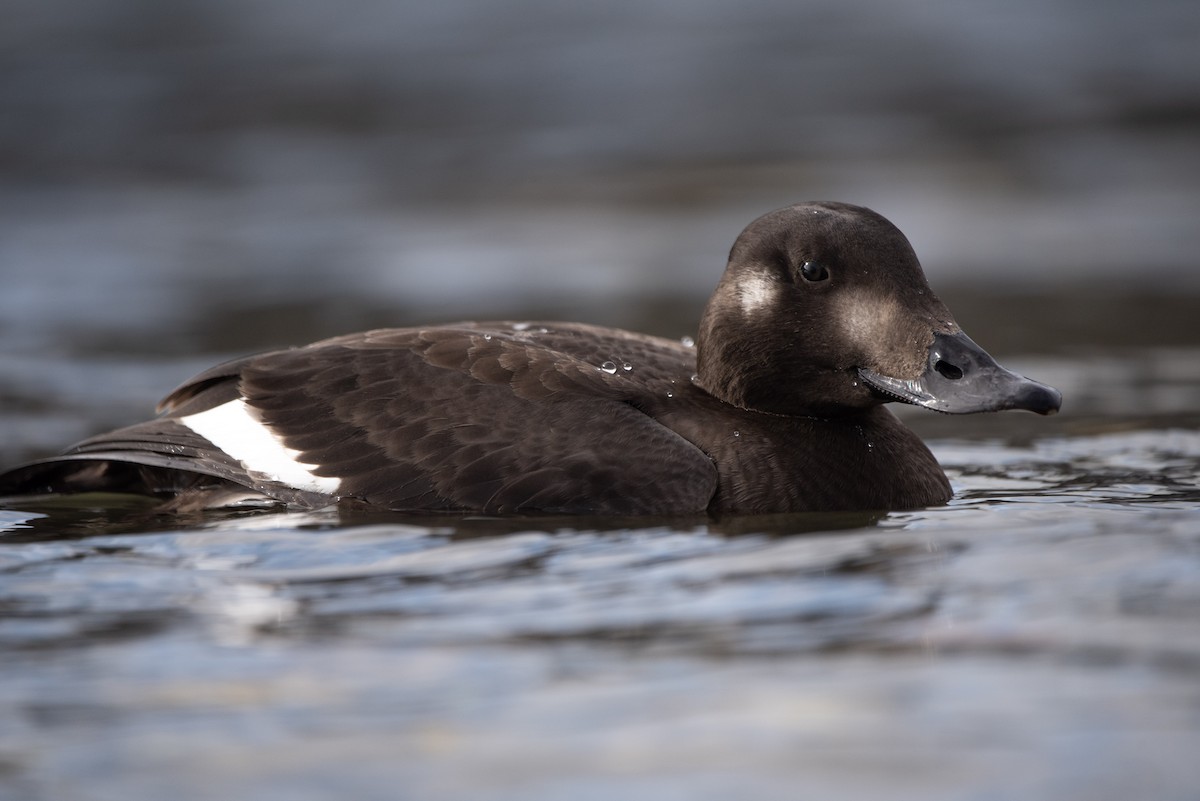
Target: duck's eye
[[813, 271]]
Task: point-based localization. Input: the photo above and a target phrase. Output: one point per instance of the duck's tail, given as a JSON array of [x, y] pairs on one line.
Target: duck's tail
[[161, 458]]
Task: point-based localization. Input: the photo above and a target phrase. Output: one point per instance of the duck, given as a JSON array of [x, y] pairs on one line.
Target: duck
[[822, 317]]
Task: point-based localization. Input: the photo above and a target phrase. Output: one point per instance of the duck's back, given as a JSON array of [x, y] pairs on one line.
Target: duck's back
[[496, 418], [493, 418]]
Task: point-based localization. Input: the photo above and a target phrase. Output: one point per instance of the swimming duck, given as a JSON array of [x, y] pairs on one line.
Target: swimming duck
[[822, 317]]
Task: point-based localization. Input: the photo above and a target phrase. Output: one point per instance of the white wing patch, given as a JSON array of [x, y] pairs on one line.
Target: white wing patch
[[238, 430]]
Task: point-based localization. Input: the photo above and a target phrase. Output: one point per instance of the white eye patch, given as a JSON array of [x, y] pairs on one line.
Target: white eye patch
[[756, 293]]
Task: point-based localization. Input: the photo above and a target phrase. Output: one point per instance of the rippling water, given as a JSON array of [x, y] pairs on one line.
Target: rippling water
[[185, 181], [1036, 637]]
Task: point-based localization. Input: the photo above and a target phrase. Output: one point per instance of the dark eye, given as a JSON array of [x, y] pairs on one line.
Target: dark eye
[[813, 271]]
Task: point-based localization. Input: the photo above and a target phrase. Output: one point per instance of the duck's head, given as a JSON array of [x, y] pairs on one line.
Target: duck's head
[[824, 309]]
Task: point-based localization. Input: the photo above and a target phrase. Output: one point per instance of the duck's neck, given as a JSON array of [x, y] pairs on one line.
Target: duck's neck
[[759, 371]]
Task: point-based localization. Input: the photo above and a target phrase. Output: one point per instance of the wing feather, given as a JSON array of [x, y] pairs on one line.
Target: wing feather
[[499, 417]]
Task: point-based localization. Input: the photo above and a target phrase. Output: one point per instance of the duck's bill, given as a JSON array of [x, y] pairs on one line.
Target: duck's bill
[[961, 378]]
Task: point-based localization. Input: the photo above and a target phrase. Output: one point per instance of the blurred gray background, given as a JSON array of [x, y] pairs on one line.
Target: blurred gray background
[[192, 176]]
